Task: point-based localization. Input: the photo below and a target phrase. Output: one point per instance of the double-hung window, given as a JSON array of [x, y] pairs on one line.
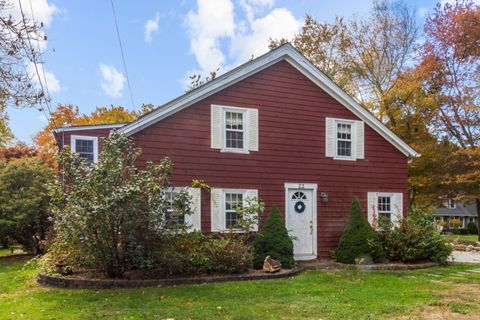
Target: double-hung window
[[233, 202], [86, 147], [385, 209], [234, 129], [173, 216], [344, 140]]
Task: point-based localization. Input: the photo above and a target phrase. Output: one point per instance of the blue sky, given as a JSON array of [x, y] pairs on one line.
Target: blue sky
[[164, 42]]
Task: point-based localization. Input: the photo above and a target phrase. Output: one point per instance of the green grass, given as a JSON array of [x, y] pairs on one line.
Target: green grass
[[4, 252], [468, 238], [311, 295]]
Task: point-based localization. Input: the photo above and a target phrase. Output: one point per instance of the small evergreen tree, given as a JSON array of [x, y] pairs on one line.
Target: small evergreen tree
[[273, 240], [472, 228], [359, 240]]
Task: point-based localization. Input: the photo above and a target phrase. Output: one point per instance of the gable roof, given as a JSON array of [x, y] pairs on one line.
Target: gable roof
[[462, 209], [285, 52]]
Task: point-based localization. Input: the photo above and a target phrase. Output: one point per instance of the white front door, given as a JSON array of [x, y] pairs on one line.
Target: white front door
[[300, 219]]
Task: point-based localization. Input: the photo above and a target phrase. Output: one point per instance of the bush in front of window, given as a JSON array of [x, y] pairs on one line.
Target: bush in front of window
[[195, 253], [273, 240], [228, 253], [415, 239], [359, 242], [472, 228], [112, 212]]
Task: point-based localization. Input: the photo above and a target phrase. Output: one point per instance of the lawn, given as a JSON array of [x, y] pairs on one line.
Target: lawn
[[448, 291], [469, 238]]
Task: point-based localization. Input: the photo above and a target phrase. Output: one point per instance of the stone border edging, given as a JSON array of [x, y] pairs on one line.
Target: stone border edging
[[64, 282], [17, 257]]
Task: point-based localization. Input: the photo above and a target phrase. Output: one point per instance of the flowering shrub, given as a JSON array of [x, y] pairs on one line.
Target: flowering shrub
[[108, 211]]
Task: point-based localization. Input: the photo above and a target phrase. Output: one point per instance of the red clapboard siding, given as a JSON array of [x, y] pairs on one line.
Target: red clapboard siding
[[292, 112]]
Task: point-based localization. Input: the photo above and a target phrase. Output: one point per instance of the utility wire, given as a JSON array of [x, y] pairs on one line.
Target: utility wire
[[123, 55], [34, 61], [40, 58]]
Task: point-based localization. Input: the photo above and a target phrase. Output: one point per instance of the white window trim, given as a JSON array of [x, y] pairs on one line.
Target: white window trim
[[224, 211], [392, 204], [73, 143], [246, 129], [353, 140], [449, 206]]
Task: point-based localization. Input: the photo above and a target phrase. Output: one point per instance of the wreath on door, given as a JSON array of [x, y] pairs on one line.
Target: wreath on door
[[299, 206]]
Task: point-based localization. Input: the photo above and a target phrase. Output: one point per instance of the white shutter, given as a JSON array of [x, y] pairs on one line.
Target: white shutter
[[216, 127], [397, 201], [252, 194], [372, 207], [252, 129], [329, 137], [194, 219], [216, 206], [359, 140]]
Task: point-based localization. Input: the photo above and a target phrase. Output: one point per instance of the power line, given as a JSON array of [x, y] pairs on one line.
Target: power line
[[123, 55], [34, 61], [40, 58]]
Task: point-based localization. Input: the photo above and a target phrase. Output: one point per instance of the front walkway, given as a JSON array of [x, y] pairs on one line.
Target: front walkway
[[465, 256]]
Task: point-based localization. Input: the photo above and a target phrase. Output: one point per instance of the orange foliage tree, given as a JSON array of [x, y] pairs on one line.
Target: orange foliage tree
[[69, 115]]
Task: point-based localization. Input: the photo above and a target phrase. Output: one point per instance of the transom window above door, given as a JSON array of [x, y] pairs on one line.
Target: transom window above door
[[299, 196], [86, 147], [234, 130]]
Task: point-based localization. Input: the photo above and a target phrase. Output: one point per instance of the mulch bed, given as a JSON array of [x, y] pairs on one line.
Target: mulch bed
[[77, 281]]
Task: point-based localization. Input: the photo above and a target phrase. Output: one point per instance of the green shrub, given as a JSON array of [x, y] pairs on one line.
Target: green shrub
[[359, 241], [460, 231], [472, 228], [415, 239], [273, 240], [196, 253], [183, 254], [109, 210], [228, 254]]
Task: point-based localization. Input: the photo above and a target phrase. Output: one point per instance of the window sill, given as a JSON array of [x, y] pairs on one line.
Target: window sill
[[241, 151], [344, 158]]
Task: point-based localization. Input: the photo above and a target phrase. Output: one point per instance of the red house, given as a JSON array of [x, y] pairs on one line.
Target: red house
[[278, 128]]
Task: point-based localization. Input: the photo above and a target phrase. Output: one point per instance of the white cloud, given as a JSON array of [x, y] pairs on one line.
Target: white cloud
[[113, 81], [422, 12], [151, 27], [279, 23], [42, 10], [48, 81], [217, 40], [212, 21]]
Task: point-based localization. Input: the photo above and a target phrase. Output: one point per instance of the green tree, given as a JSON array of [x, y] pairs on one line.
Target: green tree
[[359, 241], [111, 211], [24, 201], [273, 240]]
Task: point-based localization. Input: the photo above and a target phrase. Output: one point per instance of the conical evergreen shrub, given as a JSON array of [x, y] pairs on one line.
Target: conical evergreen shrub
[[359, 241], [273, 240]]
